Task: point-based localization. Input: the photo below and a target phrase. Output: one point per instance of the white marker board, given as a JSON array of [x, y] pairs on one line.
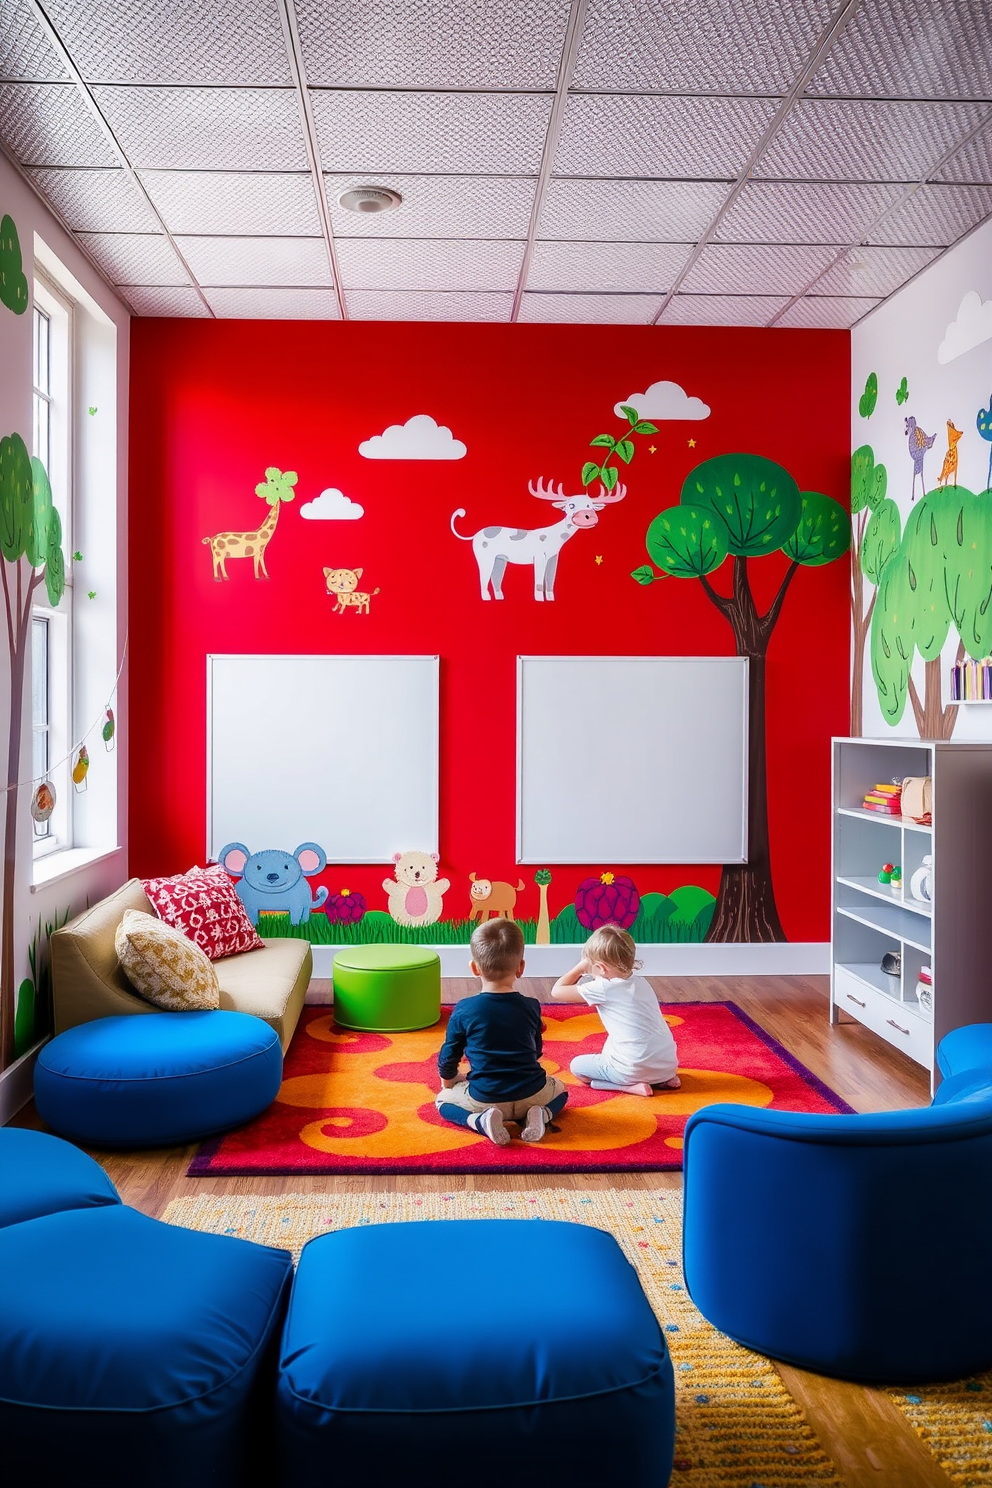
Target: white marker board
[[338, 750], [632, 759]]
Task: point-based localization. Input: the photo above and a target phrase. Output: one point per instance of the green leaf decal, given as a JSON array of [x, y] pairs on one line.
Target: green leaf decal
[[868, 399], [608, 476], [625, 450], [13, 280], [644, 575], [606, 440], [902, 392], [644, 427], [629, 413], [590, 471]]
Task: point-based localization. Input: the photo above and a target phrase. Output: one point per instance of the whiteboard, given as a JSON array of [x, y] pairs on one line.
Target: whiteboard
[[337, 750], [632, 759]]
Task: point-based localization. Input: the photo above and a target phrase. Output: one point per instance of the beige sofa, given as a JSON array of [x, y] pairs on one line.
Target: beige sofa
[[88, 983]]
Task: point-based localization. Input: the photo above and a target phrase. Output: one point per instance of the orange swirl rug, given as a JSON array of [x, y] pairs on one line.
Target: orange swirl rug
[[363, 1103]]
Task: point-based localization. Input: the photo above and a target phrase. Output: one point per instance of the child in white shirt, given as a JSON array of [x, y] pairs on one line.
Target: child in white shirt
[[639, 1053]]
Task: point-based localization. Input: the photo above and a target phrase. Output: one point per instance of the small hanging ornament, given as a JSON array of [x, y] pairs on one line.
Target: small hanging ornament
[[80, 768], [43, 801], [109, 729]]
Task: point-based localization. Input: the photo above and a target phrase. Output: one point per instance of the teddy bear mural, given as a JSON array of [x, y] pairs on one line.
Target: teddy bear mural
[[416, 895], [275, 881]]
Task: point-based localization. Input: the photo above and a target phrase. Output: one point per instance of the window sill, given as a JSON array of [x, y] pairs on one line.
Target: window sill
[[58, 865]]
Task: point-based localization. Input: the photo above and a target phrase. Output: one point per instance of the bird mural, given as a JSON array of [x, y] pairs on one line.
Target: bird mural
[[80, 768], [950, 465], [919, 442], [983, 423], [109, 730]]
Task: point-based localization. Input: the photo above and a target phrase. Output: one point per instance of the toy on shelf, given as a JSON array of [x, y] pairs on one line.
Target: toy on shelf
[[921, 883], [924, 989], [890, 874], [885, 799]]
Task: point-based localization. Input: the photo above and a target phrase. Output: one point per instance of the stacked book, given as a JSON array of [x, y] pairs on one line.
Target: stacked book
[[884, 799], [971, 681]]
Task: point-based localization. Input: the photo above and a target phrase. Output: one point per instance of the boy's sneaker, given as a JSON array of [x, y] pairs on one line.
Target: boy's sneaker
[[536, 1124], [490, 1123]]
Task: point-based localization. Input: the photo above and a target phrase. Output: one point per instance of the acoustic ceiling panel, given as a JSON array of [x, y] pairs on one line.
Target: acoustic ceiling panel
[[825, 312], [48, 124], [709, 46], [135, 258], [428, 263], [804, 212], [273, 304], [96, 200], [912, 49], [148, 300], [438, 207], [375, 304], [280, 203], [296, 262], [633, 211], [873, 271], [863, 140], [602, 267], [25, 50], [755, 269], [141, 41], [973, 162], [206, 128], [623, 135], [935, 215], [473, 133], [722, 310], [590, 309], [432, 43]]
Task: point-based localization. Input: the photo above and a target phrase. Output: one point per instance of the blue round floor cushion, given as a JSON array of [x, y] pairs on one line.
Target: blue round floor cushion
[[43, 1175], [158, 1079]]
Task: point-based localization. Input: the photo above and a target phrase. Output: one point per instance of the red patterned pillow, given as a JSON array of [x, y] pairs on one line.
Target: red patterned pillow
[[204, 905]]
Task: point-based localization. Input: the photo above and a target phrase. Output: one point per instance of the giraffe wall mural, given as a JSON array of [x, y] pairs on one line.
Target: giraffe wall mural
[[275, 489]]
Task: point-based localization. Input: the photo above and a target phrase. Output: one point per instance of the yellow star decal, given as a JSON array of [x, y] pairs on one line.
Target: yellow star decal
[[652, 448], [599, 557], [692, 444]]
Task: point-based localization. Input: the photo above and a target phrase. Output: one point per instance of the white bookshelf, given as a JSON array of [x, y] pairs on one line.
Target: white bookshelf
[[868, 919]]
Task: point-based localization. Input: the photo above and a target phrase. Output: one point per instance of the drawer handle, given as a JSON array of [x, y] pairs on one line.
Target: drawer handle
[[851, 998], [897, 1027]]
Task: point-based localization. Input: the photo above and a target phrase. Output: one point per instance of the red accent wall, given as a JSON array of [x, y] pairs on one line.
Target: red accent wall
[[214, 403]]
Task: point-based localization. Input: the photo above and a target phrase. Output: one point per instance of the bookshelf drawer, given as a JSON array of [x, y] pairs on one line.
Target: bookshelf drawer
[[884, 1016]]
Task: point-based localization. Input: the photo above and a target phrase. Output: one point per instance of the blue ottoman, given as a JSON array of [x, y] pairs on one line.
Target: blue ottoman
[[502, 1351], [40, 1174], [157, 1080], [133, 1350]]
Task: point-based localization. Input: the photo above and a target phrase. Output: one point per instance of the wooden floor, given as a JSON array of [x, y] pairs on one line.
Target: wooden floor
[[868, 1439]]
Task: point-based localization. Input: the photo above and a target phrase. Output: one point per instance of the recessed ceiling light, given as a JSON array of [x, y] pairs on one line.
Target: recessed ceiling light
[[369, 199]]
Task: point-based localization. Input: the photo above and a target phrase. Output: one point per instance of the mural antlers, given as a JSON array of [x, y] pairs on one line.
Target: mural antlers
[[495, 547]]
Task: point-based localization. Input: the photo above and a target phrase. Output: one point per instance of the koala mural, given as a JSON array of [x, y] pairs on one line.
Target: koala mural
[[274, 880], [493, 900], [416, 896]]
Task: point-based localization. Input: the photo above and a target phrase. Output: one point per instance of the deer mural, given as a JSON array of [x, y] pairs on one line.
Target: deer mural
[[275, 489], [495, 547]]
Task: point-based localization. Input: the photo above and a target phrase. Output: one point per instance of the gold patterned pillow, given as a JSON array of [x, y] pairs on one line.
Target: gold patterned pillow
[[163, 965]]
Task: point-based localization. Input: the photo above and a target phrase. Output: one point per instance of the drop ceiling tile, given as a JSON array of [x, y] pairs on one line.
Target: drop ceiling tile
[[935, 216], [633, 211], [601, 267], [617, 135], [280, 203], [95, 200], [912, 49], [755, 269], [473, 133], [590, 309], [709, 46], [826, 312], [860, 140], [145, 300], [141, 41], [206, 128], [428, 263], [264, 262], [273, 304], [135, 258], [438, 207], [723, 310], [874, 271], [973, 162], [372, 304], [48, 124], [25, 50], [804, 212], [432, 43]]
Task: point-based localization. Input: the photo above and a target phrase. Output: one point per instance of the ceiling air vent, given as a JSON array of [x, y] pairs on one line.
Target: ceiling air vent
[[369, 199]]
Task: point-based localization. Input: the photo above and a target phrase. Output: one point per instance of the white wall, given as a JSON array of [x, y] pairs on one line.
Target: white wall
[[901, 339]]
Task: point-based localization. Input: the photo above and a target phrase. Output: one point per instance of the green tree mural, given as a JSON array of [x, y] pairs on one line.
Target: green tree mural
[[744, 506], [13, 280], [939, 580], [874, 540], [30, 528]]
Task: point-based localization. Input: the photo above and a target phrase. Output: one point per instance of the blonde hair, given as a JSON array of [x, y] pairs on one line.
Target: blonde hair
[[614, 946], [497, 948]]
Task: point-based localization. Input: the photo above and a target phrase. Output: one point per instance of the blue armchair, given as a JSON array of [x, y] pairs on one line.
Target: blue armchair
[[854, 1246]]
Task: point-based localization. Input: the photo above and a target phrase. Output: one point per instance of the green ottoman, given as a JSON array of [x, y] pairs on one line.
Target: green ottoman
[[386, 988]]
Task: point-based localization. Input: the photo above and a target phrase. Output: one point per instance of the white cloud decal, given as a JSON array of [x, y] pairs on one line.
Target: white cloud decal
[[664, 400], [971, 326], [420, 438], [332, 506]]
